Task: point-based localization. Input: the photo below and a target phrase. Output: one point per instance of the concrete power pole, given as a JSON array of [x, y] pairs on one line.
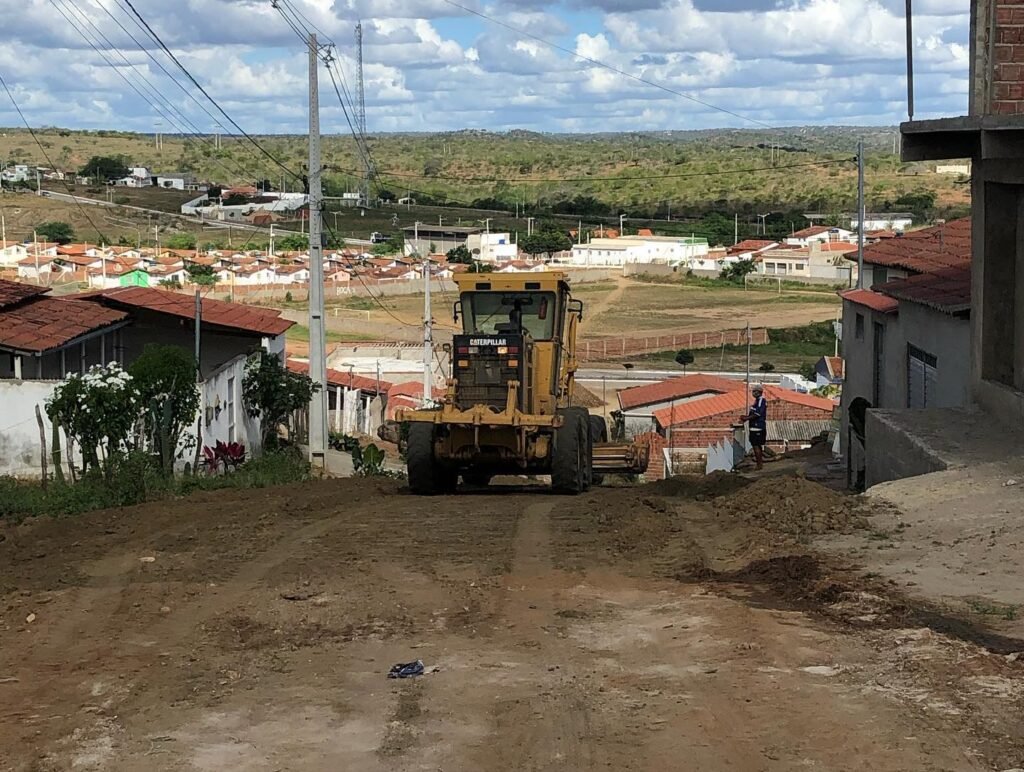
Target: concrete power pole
[[428, 324], [860, 214], [317, 353]]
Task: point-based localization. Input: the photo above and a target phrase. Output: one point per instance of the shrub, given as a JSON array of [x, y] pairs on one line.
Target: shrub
[[272, 393], [165, 382]]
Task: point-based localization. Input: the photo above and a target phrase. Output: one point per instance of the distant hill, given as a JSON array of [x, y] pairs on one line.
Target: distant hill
[[685, 174]]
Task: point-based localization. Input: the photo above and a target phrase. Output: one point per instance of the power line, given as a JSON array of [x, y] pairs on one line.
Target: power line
[[605, 65], [641, 177], [164, 108], [156, 38], [47, 157]]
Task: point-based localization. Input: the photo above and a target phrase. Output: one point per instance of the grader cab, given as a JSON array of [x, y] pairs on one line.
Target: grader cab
[[508, 408]]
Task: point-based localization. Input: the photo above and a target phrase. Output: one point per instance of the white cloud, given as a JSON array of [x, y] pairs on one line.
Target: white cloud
[[431, 66]]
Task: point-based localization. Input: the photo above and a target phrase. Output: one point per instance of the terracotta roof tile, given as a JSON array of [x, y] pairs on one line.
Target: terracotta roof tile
[[343, 379], [947, 290], [925, 250], [676, 388], [219, 312], [873, 300], [13, 292], [733, 405], [46, 323]]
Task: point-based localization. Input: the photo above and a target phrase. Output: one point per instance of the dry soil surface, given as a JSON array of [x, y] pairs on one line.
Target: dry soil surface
[[654, 628]]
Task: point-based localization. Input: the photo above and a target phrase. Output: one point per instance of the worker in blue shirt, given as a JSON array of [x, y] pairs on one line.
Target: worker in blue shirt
[[757, 424]]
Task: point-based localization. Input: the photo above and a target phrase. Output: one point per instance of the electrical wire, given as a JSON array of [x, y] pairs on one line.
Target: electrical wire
[[165, 109], [605, 65], [156, 38], [47, 157]]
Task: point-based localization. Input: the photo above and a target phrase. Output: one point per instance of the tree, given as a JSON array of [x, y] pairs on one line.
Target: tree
[[460, 254], [293, 243], [105, 167], [546, 241], [684, 357], [180, 241], [766, 367], [432, 167], [214, 191], [60, 232], [478, 267], [165, 381], [386, 195], [203, 275], [235, 199], [272, 393], [735, 272]]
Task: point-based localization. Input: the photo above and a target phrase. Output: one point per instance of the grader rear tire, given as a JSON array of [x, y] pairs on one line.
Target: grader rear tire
[[598, 433], [570, 461]]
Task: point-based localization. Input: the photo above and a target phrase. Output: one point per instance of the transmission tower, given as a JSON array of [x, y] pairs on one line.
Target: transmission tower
[[364, 188]]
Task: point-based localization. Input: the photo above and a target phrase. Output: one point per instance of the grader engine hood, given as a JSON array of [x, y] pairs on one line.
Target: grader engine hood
[[483, 365]]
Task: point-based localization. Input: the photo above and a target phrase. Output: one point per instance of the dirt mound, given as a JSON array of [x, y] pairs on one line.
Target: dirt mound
[[583, 397], [698, 487], [793, 506]]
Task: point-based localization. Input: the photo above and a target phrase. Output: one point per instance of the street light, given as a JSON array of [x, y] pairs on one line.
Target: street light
[[529, 226], [764, 224], [622, 219]]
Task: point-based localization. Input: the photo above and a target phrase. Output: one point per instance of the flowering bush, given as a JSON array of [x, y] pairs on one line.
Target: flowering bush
[[97, 410]]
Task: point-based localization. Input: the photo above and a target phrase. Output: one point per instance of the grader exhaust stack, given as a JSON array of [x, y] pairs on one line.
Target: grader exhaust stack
[[508, 406]]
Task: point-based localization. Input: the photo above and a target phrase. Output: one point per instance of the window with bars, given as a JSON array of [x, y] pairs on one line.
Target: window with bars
[[230, 408]]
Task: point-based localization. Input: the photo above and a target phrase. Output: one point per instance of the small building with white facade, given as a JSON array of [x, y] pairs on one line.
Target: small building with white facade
[[492, 247], [677, 251], [883, 221]]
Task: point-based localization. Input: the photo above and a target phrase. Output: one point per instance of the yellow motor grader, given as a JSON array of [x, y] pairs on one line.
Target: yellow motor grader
[[508, 408]]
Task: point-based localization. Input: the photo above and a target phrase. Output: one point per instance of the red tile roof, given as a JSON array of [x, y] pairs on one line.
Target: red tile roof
[[837, 246], [45, 323], [412, 389], [947, 290], [873, 300], [676, 388], [835, 366], [12, 292], [925, 250], [218, 312], [814, 230], [735, 402], [754, 245], [343, 379]]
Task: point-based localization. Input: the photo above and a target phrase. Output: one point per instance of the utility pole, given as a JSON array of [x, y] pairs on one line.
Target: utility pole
[[529, 226], [271, 250], [156, 239], [748, 361], [364, 190], [39, 187], [622, 219], [428, 325], [860, 214], [736, 228], [317, 354]]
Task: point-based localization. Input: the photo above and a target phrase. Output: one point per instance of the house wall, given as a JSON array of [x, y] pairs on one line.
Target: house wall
[[20, 447], [997, 285], [640, 420], [217, 348], [221, 408]]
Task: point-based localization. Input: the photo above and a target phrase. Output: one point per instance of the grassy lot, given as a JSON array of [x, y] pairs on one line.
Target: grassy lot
[[792, 349], [299, 333], [664, 307]]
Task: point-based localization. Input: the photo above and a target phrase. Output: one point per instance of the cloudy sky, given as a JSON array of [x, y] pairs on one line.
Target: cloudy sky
[[432, 65]]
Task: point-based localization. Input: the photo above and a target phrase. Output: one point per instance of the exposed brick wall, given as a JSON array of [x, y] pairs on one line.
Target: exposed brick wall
[[656, 463], [1008, 50]]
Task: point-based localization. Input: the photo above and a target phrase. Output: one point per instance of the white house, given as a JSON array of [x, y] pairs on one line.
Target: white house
[[819, 234], [11, 252], [16, 173], [683, 251], [492, 247], [290, 274], [883, 221], [953, 168], [175, 181]]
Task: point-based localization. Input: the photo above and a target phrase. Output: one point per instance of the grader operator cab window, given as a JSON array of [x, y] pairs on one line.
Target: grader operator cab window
[[493, 313]]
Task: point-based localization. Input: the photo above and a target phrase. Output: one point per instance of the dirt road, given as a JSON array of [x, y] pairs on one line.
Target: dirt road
[[654, 628]]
